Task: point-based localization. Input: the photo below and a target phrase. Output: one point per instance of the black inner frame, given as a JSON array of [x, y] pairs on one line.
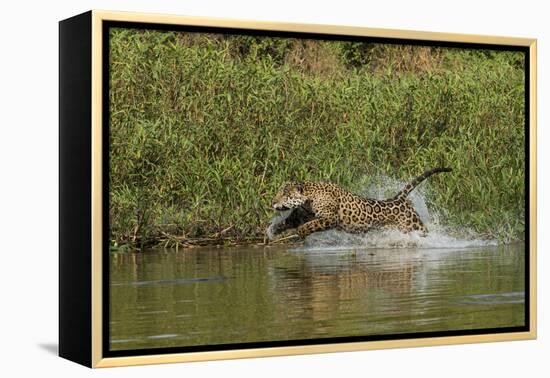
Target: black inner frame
[[106, 25]]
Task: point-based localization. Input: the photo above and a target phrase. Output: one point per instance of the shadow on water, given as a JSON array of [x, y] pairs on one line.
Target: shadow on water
[[179, 281], [166, 298]]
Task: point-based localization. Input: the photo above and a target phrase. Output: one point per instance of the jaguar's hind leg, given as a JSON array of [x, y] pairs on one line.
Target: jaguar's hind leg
[[422, 229], [412, 223]]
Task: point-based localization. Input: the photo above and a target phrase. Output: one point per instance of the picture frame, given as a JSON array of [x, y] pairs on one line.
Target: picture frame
[[85, 242]]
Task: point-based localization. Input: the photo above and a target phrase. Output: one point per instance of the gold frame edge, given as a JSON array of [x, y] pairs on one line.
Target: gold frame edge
[[533, 187], [98, 16], [309, 349]]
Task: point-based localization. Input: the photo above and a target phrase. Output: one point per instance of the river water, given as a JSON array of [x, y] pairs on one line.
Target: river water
[[207, 296]]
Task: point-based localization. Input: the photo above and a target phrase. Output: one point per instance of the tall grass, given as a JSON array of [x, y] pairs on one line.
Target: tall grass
[[204, 128]]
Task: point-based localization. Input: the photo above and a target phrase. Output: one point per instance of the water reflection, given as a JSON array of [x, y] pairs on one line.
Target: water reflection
[[234, 295]]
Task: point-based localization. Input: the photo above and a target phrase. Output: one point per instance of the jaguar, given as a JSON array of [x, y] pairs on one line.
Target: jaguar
[[319, 206]]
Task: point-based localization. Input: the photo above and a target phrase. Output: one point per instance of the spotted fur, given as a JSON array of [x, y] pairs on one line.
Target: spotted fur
[[319, 206]]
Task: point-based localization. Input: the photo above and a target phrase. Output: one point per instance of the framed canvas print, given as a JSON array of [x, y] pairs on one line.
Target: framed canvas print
[[235, 189]]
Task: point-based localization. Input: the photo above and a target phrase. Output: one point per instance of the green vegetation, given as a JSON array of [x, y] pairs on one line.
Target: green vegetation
[[205, 128]]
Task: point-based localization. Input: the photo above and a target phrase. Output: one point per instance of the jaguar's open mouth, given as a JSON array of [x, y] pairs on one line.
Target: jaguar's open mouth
[[280, 208]]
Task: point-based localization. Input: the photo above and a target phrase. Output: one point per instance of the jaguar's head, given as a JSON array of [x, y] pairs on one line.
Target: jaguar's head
[[290, 196]]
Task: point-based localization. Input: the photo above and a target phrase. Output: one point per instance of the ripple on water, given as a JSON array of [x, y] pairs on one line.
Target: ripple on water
[[174, 281], [164, 336], [493, 299]]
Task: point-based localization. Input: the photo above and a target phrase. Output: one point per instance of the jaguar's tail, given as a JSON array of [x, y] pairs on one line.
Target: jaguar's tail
[[414, 183]]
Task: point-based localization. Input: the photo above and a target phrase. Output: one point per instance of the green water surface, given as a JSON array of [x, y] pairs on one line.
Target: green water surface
[[168, 298]]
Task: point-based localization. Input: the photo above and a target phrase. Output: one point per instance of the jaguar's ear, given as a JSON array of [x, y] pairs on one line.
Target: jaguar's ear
[[299, 187]]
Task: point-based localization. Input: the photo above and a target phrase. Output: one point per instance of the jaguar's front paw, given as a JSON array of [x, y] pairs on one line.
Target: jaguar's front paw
[[302, 232], [275, 233]]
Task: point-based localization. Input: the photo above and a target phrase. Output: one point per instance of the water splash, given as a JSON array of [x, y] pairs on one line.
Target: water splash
[[384, 239], [440, 236]]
